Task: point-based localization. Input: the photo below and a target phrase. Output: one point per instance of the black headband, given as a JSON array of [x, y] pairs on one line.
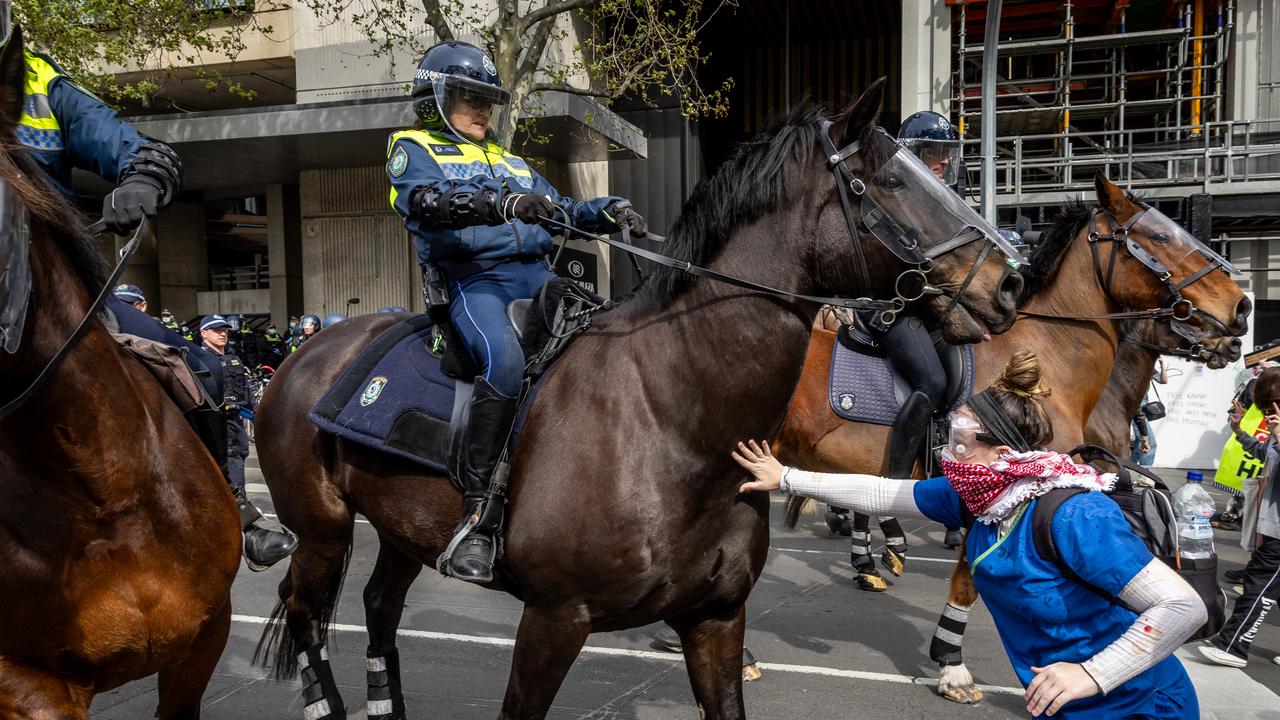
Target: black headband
[[993, 417]]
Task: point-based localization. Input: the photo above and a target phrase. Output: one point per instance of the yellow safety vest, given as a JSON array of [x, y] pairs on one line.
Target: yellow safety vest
[[38, 129], [1235, 465], [461, 160]]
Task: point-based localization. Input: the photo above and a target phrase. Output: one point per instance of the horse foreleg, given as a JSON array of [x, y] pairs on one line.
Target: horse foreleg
[[547, 643], [182, 685], [384, 598], [27, 693], [712, 654], [954, 680]]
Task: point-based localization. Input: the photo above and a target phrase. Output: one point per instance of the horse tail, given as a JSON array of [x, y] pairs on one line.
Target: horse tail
[[797, 505], [277, 649]]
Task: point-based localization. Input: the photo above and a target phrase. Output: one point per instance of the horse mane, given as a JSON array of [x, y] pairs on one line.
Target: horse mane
[[45, 204], [751, 183], [1053, 248]]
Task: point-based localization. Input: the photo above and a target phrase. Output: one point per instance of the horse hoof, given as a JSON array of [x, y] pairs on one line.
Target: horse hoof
[[871, 582], [750, 673], [955, 683], [964, 695], [894, 560]]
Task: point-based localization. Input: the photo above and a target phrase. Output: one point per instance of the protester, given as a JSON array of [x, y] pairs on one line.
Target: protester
[[1079, 652]]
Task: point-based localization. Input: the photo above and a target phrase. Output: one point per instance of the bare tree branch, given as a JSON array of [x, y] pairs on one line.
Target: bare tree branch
[[570, 89], [435, 18], [537, 45], [550, 10]]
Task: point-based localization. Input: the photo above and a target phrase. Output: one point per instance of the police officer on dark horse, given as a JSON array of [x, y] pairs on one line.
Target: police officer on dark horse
[[473, 210], [63, 126]]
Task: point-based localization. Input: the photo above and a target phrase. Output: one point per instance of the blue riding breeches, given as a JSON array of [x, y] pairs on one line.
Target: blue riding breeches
[[478, 311], [135, 322], [911, 350]]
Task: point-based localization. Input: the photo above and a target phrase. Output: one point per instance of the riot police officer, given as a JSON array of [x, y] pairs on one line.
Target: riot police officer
[[309, 325], [473, 208], [274, 347], [265, 543], [168, 321]]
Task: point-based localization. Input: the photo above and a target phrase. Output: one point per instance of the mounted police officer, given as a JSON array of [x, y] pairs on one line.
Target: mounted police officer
[[264, 544], [473, 210]]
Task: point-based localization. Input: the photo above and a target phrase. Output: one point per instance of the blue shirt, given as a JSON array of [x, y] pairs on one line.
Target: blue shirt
[[1044, 617]]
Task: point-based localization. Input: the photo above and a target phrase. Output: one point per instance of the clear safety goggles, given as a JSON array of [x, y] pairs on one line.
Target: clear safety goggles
[[965, 436], [903, 198], [460, 95], [15, 268]]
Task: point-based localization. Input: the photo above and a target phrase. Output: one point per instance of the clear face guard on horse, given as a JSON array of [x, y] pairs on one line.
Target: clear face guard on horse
[[15, 268]]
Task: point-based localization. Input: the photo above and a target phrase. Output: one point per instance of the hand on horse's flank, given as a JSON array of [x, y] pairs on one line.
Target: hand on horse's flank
[[763, 466], [1057, 685]]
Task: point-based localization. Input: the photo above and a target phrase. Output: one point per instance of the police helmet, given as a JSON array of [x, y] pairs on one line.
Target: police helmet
[[934, 140], [333, 319], [454, 75], [234, 322], [309, 321]]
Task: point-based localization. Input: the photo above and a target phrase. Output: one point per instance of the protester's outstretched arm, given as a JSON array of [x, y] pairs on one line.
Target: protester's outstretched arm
[[868, 494]]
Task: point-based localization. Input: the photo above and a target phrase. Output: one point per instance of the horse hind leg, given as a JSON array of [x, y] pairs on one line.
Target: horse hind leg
[[294, 639], [547, 643], [384, 597], [955, 682], [181, 686], [27, 693], [712, 656]]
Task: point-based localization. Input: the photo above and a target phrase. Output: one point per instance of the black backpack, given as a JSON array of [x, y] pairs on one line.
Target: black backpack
[[1149, 509]]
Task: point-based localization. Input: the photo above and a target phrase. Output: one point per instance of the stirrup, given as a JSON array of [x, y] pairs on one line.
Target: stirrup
[[442, 562]]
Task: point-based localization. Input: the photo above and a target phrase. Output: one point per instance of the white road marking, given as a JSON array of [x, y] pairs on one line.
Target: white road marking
[[648, 655]]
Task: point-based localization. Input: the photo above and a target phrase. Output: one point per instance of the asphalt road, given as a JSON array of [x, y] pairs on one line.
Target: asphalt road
[[828, 650]]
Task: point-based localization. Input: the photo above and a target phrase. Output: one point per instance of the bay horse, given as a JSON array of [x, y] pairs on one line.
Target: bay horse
[[119, 539], [624, 507], [1077, 358]]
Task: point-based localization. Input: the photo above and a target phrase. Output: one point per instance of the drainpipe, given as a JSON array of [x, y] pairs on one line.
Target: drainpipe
[[1197, 62], [991, 37]]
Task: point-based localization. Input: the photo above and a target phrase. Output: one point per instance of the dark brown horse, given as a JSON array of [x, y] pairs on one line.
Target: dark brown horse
[[1077, 358], [118, 537], [624, 509]]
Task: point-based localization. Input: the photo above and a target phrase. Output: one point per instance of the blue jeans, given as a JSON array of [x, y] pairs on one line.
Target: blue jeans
[[134, 322], [478, 312], [1136, 455]]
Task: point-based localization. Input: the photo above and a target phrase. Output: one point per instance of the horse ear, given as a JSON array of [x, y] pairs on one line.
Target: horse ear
[[857, 120], [13, 74], [1110, 197]]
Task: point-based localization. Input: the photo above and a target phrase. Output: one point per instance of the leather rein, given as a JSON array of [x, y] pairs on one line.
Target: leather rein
[[108, 285]]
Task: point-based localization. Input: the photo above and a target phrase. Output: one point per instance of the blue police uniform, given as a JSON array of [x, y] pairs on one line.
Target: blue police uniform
[[487, 266], [1044, 617]]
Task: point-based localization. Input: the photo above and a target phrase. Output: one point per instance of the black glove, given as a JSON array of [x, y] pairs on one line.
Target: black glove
[[124, 207], [620, 213], [532, 208]]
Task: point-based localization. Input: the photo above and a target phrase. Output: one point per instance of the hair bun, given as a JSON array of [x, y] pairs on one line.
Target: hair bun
[[1021, 376]]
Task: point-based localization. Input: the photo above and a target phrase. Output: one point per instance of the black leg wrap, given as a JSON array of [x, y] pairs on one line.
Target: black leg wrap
[[944, 649], [320, 698], [386, 701]]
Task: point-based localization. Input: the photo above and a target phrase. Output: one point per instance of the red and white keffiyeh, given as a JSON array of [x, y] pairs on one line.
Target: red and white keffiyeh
[[992, 493]]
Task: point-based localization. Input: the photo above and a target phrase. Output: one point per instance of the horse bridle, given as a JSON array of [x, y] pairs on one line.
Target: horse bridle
[[126, 252], [1180, 310], [907, 247]]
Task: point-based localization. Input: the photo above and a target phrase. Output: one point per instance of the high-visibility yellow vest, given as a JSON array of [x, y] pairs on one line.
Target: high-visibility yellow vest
[[38, 129], [1235, 465], [462, 160]]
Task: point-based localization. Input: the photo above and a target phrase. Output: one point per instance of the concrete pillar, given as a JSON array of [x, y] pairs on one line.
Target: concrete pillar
[[183, 259], [284, 252], [926, 56], [143, 269], [1242, 80], [589, 180]]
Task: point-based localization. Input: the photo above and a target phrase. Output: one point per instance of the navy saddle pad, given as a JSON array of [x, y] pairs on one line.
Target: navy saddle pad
[[393, 397], [866, 388]]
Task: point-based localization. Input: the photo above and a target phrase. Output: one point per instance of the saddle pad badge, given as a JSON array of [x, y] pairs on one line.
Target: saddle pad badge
[[373, 391]]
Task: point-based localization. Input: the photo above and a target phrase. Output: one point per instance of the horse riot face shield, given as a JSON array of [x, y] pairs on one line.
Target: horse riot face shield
[[903, 196], [15, 268], [459, 98]]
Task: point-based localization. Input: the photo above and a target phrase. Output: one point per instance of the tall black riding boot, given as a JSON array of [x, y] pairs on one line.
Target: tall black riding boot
[[265, 542], [479, 448], [910, 433]]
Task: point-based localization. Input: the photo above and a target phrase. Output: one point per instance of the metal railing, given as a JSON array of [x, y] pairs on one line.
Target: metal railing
[[1224, 152]]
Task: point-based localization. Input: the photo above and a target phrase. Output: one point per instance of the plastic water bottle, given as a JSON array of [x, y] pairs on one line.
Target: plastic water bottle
[[1193, 508]]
